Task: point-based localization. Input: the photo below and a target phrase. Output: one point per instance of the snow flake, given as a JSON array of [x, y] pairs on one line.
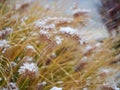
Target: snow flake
[[28, 67], [56, 88]]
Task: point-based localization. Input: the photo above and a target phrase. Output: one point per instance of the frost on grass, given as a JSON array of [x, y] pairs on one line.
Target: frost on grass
[[68, 30], [30, 47], [44, 32], [29, 59], [51, 22], [58, 20], [13, 64], [44, 25], [4, 45], [106, 70], [58, 40], [13, 86], [112, 82], [5, 32], [56, 88], [80, 11], [28, 68]]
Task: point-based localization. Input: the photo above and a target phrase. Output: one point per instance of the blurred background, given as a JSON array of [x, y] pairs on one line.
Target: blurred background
[[101, 23]]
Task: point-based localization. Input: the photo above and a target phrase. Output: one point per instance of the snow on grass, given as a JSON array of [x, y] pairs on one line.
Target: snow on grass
[[68, 30], [6, 31], [106, 70], [43, 25], [44, 32], [29, 59], [13, 86], [30, 47], [79, 10], [51, 22], [13, 64], [58, 40], [4, 44], [28, 67], [57, 20], [56, 88]]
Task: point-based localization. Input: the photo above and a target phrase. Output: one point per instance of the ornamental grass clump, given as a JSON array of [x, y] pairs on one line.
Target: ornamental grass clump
[[41, 50]]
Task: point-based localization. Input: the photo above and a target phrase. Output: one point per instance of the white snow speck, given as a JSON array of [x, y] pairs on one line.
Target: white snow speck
[[82, 41], [44, 32], [31, 67], [106, 70], [60, 82], [85, 89], [88, 47], [68, 30], [4, 43], [7, 30], [44, 83], [13, 63], [56, 88], [30, 47], [53, 55], [58, 40], [13, 86], [98, 44], [78, 10], [40, 23], [43, 24]]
